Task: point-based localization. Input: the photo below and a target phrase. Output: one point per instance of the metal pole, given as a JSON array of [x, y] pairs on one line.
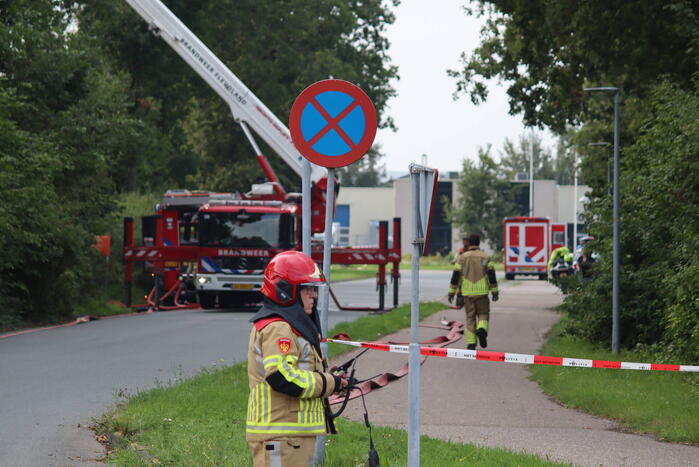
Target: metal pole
[[575, 203], [306, 207], [414, 359], [616, 216], [531, 178], [324, 291], [609, 175], [616, 221]]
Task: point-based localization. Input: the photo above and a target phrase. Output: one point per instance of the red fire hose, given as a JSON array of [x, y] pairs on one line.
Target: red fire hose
[[455, 332]]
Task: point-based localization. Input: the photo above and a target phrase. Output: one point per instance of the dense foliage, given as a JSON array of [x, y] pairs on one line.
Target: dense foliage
[[488, 193], [545, 53], [660, 236], [275, 48], [548, 51], [94, 107]]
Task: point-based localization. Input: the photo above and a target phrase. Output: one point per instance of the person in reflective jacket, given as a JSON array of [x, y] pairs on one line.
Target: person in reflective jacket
[[288, 378], [474, 277], [557, 254]]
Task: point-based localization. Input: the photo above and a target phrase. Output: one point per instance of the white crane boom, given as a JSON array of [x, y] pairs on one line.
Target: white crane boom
[[247, 109]]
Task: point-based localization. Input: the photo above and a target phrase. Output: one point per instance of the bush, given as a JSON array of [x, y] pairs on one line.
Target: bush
[[659, 238]]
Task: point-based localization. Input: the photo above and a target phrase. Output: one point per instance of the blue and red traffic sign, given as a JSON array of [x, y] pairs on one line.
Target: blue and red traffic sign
[[332, 123]]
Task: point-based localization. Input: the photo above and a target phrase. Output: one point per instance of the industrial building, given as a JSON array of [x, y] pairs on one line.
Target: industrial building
[[359, 210]]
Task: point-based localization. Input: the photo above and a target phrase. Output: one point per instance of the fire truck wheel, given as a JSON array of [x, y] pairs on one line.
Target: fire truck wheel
[[207, 299], [510, 276], [229, 300]]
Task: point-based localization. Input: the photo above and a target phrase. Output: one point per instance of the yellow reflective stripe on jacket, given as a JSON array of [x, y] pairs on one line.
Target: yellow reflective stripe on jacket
[[272, 360], [304, 379], [475, 288], [284, 428], [260, 404], [311, 412], [293, 374], [310, 390]]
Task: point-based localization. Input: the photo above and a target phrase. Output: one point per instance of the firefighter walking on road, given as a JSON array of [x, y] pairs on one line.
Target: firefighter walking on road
[[475, 276], [288, 378]]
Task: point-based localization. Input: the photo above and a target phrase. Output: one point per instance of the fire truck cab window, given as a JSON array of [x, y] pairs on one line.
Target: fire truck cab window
[[245, 230], [558, 237]]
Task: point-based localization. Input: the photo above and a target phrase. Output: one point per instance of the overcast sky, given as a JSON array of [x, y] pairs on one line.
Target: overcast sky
[[427, 38]]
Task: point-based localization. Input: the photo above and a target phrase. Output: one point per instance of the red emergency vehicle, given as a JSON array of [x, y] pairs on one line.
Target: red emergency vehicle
[[527, 246], [222, 242]]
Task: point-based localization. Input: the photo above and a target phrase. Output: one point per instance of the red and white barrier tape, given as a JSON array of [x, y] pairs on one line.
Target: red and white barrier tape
[[507, 357]]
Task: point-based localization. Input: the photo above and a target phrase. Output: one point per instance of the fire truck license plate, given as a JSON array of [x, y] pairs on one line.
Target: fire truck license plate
[[526, 268], [242, 286]]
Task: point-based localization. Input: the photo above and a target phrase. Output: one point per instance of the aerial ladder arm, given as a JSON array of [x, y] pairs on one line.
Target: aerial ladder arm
[[249, 111]]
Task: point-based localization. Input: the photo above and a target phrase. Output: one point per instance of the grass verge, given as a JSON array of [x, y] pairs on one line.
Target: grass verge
[[201, 421], [665, 404], [339, 273]]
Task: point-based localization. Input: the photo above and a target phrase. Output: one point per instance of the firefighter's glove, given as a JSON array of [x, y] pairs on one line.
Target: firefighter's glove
[[340, 383], [496, 296], [450, 297], [459, 300]]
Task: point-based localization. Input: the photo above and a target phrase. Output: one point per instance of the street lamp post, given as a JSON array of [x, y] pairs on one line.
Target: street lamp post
[[616, 217], [575, 204], [531, 178]]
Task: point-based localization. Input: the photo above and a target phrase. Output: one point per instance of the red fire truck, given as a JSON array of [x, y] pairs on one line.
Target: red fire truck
[[529, 242], [220, 243]]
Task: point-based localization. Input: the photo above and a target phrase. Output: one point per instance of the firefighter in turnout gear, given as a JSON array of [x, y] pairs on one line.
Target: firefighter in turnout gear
[[474, 275], [559, 253], [288, 378]]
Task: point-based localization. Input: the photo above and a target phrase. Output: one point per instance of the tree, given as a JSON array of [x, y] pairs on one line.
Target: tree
[[367, 171], [68, 141], [41, 247], [548, 51], [564, 163], [486, 198], [659, 236], [278, 49], [88, 111], [515, 158]]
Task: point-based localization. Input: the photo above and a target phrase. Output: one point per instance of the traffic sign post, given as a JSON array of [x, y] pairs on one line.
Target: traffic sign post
[[424, 191], [332, 124]]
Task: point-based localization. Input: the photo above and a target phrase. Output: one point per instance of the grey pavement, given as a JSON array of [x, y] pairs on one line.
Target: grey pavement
[[496, 405], [53, 382]]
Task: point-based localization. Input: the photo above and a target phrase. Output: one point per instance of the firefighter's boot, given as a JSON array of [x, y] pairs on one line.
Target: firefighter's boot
[[482, 337], [471, 347]]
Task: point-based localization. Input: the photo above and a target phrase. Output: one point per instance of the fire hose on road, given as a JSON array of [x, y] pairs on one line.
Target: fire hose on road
[[455, 331]]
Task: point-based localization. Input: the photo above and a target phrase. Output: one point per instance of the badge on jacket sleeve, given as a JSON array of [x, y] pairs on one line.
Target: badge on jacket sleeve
[[284, 344]]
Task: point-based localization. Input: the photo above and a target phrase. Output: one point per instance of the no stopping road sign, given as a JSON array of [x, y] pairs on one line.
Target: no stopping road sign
[[332, 123]]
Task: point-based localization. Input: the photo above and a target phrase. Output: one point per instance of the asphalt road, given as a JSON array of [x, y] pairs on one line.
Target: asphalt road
[[53, 382]]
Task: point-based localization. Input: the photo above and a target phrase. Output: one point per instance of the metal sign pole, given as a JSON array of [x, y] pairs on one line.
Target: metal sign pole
[[414, 359], [306, 207], [315, 145], [327, 252], [325, 291]]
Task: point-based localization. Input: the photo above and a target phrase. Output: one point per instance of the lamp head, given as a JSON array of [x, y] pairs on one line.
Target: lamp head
[[609, 89]]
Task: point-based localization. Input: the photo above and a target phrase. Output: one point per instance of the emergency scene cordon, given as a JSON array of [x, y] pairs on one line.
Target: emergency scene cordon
[[264, 233]]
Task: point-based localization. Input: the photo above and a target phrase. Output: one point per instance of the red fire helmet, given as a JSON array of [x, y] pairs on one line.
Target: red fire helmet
[[288, 271]]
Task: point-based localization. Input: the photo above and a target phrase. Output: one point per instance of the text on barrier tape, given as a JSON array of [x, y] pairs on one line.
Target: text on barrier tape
[[518, 358]]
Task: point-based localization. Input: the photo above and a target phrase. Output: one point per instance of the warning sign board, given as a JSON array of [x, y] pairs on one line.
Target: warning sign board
[[425, 190], [333, 123]]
